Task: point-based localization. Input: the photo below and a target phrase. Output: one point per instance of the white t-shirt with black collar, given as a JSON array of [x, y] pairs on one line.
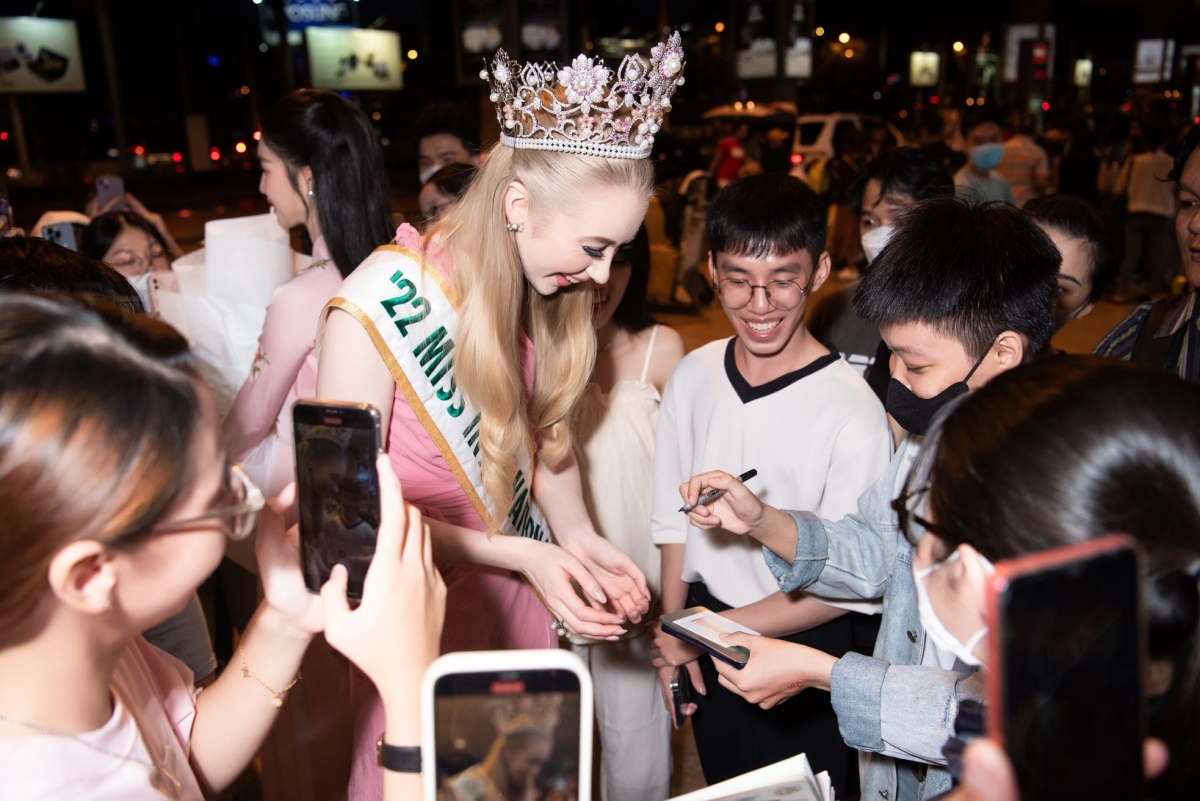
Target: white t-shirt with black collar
[[818, 438]]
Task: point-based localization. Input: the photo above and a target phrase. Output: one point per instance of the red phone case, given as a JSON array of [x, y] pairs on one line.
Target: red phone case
[[1014, 568]]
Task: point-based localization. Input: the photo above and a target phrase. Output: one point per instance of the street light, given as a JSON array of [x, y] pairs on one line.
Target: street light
[[843, 37], [959, 47], [819, 31]]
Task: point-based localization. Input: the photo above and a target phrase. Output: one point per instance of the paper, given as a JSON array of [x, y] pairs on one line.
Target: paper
[[789, 780], [217, 296], [710, 626]]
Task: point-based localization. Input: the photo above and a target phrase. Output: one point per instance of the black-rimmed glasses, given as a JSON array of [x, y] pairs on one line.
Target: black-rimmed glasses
[[736, 293], [905, 516]]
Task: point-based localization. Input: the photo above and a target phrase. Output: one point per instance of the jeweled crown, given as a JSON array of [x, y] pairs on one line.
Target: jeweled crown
[[586, 107]]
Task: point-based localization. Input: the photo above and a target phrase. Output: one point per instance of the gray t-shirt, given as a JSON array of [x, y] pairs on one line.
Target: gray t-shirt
[[971, 186]]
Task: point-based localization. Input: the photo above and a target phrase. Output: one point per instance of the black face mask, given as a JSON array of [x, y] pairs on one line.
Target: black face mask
[[913, 413]]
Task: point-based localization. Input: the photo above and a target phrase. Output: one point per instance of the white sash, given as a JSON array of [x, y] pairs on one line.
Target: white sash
[[411, 314]]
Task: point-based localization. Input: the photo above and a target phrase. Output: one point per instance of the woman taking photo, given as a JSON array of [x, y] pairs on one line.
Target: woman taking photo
[[476, 341], [117, 500], [1058, 452]]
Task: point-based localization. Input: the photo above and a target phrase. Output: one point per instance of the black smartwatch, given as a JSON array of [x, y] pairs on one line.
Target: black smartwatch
[[401, 759]]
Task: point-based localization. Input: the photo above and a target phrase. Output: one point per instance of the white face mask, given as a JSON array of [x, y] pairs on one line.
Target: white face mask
[[874, 240], [428, 173], [142, 285], [934, 628]]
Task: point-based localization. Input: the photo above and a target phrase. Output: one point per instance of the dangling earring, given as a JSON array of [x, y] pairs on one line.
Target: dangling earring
[[515, 228]]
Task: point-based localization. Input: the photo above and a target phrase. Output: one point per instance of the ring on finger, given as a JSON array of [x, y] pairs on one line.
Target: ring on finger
[[558, 627]]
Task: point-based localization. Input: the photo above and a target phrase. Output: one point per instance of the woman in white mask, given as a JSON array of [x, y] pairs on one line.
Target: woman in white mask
[[1061, 451], [132, 245]]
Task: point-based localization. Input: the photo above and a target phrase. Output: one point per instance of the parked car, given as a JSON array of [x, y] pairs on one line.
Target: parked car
[[815, 135]]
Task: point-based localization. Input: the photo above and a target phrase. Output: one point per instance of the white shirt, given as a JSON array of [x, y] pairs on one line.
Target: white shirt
[[1144, 176], [154, 704], [818, 437]]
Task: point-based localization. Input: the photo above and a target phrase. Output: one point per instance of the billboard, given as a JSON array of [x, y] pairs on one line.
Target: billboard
[[304, 14], [354, 59], [39, 55]]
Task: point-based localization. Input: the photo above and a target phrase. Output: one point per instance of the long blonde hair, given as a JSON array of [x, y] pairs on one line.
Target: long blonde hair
[[496, 299]]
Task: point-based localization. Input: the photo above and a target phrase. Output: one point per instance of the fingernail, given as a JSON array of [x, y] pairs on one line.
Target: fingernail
[[598, 594]]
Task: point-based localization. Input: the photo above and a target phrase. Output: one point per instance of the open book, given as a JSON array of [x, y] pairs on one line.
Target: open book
[[789, 780]]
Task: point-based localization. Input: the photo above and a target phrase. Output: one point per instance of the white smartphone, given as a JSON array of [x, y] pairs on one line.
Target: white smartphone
[[517, 720]]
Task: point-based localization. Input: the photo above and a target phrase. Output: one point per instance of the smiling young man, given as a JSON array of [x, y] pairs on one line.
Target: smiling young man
[[773, 399], [961, 294]]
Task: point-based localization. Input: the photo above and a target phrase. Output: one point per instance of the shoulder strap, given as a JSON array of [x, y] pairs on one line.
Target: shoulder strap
[[649, 353], [1150, 349]]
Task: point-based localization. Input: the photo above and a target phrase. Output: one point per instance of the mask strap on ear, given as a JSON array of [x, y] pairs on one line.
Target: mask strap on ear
[[981, 358]]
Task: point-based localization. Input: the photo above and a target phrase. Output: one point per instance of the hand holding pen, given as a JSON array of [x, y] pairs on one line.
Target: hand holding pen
[[721, 499]]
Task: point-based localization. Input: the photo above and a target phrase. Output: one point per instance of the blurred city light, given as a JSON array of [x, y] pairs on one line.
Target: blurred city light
[[959, 47], [849, 53], [240, 147], [720, 26], [214, 154], [819, 31], [257, 135], [412, 55], [843, 37]]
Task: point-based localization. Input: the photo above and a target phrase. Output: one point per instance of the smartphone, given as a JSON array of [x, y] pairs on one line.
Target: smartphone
[[681, 693], [337, 488], [63, 233], [702, 628], [108, 188], [1065, 690], [515, 717]]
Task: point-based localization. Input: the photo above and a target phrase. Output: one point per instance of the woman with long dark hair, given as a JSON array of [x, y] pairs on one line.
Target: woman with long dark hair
[[323, 170]]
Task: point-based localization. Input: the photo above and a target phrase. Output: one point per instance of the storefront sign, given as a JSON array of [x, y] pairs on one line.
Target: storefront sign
[[354, 59]]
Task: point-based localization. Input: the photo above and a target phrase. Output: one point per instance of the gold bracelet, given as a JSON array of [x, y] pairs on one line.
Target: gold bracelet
[[276, 695]]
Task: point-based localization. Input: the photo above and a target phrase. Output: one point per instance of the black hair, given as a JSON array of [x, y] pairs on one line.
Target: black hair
[[631, 313], [766, 215], [1071, 448], [104, 229], [331, 136], [453, 179], [971, 272], [1184, 152], [445, 117], [905, 171], [973, 120], [1081, 219], [33, 264]]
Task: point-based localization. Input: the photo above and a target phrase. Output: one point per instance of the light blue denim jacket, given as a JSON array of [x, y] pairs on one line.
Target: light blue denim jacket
[[889, 706]]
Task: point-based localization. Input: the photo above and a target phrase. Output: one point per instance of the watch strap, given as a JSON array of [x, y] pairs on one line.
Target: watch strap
[[398, 758]]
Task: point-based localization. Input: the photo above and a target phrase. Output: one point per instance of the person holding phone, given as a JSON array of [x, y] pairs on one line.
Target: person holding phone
[[614, 426], [87, 707], [478, 338], [997, 486], [132, 245]]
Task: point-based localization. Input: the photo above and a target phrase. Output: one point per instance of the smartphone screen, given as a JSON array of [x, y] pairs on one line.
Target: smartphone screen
[[337, 489], [515, 731], [1069, 678]]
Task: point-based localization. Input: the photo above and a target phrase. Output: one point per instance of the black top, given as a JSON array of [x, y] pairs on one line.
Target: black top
[[748, 393]]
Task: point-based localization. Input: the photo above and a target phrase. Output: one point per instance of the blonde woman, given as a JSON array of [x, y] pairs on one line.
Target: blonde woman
[[478, 340]]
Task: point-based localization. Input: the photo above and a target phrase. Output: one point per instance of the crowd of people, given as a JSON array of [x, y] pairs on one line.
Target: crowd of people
[[542, 428]]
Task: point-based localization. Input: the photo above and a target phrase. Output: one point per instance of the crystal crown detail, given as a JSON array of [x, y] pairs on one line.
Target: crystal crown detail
[[585, 107]]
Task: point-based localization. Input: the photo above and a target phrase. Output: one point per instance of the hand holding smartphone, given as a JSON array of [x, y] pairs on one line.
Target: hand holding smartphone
[[703, 628], [337, 489]]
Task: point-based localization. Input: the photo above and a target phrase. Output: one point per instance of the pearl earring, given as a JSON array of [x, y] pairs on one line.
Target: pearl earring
[[312, 193], [515, 228]]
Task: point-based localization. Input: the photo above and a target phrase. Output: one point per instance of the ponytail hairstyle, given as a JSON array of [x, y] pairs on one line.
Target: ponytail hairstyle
[[99, 408], [496, 301], [331, 136], [1067, 449]]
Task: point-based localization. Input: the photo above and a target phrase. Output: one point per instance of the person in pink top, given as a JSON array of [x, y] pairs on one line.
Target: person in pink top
[[322, 168], [476, 342], [117, 499]]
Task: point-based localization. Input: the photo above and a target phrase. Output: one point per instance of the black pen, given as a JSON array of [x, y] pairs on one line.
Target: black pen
[[712, 495]]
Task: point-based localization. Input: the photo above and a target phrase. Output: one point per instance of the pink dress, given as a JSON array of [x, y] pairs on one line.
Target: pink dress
[[486, 608], [307, 754], [258, 429]]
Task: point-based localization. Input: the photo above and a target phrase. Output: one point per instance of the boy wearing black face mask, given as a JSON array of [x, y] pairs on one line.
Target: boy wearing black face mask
[[960, 295]]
